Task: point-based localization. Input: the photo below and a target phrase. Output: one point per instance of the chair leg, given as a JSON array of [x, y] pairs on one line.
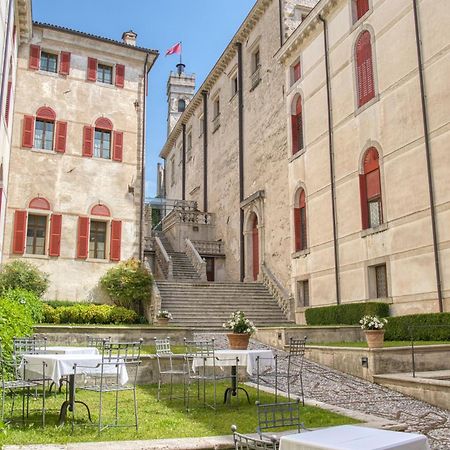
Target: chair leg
[[43, 404], [158, 397], [100, 413], [117, 408], [171, 387], [135, 408]]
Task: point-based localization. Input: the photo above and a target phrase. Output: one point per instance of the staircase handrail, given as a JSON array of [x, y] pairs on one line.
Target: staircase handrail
[[283, 298], [163, 259], [197, 261], [155, 300]]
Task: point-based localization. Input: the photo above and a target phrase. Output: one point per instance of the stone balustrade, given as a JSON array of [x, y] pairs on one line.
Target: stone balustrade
[[163, 260], [209, 247], [282, 297], [197, 261]]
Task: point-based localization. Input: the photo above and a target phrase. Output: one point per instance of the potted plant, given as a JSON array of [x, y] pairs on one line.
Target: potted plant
[[241, 330], [373, 328], [163, 317]]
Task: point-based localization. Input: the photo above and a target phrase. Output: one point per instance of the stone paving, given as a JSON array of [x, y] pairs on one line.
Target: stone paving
[[336, 388]]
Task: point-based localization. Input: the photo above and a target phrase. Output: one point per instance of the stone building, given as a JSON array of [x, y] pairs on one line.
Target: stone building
[[75, 203], [15, 29], [322, 165]]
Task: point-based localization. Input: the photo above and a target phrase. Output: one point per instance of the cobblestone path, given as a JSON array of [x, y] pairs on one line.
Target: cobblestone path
[[336, 388]]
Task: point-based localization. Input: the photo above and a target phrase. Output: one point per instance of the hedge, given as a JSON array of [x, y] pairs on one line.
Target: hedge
[[347, 314], [89, 314], [425, 327]]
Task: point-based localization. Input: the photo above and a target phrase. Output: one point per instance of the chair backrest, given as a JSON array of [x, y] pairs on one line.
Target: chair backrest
[[297, 346], [243, 442], [277, 416], [29, 346], [93, 341], [162, 346], [199, 354]]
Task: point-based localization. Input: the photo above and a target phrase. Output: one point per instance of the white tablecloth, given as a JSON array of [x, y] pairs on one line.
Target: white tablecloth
[[350, 437], [66, 350], [59, 365], [247, 358]]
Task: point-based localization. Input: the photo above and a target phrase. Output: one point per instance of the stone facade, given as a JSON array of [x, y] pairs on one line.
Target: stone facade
[[15, 28], [392, 261], [95, 187]]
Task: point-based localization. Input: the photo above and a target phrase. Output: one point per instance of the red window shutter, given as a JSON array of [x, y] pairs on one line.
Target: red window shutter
[[8, 102], [35, 57], [364, 69], [362, 6], [117, 146], [364, 203], [83, 237], [92, 69], [297, 229], [373, 185], [61, 136], [120, 75], [297, 72], [20, 221], [55, 235], [64, 67], [28, 132], [294, 134], [116, 237], [88, 141]]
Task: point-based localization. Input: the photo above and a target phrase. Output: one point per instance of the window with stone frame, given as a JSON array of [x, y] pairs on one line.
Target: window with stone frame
[[234, 85], [97, 240], [104, 73], [44, 131], [255, 77], [188, 144], [359, 9], [295, 72], [303, 293], [300, 227], [216, 114], [181, 106], [48, 62], [36, 234], [172, 170], [381, 281], [102, 143], [201, 125]]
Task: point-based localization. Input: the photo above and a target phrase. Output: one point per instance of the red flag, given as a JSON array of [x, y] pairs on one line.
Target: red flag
[[175, 50]]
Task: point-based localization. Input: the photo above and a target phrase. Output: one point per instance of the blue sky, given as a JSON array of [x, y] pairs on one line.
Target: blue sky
[[204, 26]]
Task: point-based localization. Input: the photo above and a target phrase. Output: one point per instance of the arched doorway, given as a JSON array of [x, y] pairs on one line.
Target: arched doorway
[[255, 248]]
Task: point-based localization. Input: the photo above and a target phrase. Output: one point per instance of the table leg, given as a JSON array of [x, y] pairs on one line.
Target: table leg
[[232, 391], [68, 404]]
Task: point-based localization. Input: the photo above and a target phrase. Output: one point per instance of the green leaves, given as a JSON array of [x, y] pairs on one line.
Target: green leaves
[[23, 275]]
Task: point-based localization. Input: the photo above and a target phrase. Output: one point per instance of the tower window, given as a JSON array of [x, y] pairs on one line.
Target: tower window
[[181, 105]]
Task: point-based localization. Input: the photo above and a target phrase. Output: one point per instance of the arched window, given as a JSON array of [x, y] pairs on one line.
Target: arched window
[[370, 190], [297, 125], [181, 105], [300, 231], [360, 7], [364, 68]]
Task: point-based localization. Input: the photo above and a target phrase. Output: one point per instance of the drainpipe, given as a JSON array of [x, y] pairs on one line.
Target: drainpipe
[[142, 190], [241, 160], [5, 55], [280, 18], [331, 151], [183, 164], [428, 155], [205, 150]]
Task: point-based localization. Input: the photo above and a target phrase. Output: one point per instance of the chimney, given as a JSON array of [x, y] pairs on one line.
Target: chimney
[[129, 38]]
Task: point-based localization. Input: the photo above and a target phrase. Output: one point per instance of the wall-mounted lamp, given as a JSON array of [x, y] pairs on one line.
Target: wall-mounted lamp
[[130, 189]]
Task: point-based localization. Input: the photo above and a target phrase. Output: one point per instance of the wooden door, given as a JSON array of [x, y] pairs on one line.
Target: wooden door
[[255, 248], [210, 269]]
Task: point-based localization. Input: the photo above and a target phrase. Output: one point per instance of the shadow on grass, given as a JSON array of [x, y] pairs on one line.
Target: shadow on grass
[[157, 420]]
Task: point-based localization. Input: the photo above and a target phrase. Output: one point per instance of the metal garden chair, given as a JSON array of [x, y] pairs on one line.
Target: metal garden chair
[[98, 342], [166, 367], [291, 372], [201, 364], [14, 380], [244, 442], [278, 416], [117, 372]]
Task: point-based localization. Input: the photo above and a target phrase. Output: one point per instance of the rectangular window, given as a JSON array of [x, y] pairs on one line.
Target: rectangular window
[[102, 144], [295, 72], [255, 77], [104, 73], [234, 85], [43, 135], [201, 124], [216, 108], [360, 7], [36, 232], [303, 293], [381, 281], [304, 241], [255, 60], [375, 215], [172, 171], [49, 62], [97, 240], [189, 142]]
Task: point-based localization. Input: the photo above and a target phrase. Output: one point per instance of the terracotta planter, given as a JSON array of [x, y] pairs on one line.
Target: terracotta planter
[[162, 321], [374, 338], [238, 341]]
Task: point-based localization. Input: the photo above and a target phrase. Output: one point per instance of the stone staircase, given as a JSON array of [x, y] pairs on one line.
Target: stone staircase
[[209, 304]]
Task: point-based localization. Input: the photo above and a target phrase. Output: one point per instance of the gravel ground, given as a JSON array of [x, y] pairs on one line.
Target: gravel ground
[[336, 388]]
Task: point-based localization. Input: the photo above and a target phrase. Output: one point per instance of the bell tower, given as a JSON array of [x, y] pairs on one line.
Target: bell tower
[[180, 90]]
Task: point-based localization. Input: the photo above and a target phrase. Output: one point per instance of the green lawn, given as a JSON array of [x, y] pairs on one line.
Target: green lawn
[[386, 343], [150, 349], [157, 420]]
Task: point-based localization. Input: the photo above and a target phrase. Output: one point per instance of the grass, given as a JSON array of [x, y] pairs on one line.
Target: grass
[[157, 420], [386, 343], [177, 349]]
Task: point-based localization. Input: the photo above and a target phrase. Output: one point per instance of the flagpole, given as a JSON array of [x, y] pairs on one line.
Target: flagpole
[[181, 51]]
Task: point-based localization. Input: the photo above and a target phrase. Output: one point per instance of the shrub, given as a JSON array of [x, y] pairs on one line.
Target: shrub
[[128, 284], [425, 327], [347, 314], [23, 275], [89, 314], [29, 300]]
